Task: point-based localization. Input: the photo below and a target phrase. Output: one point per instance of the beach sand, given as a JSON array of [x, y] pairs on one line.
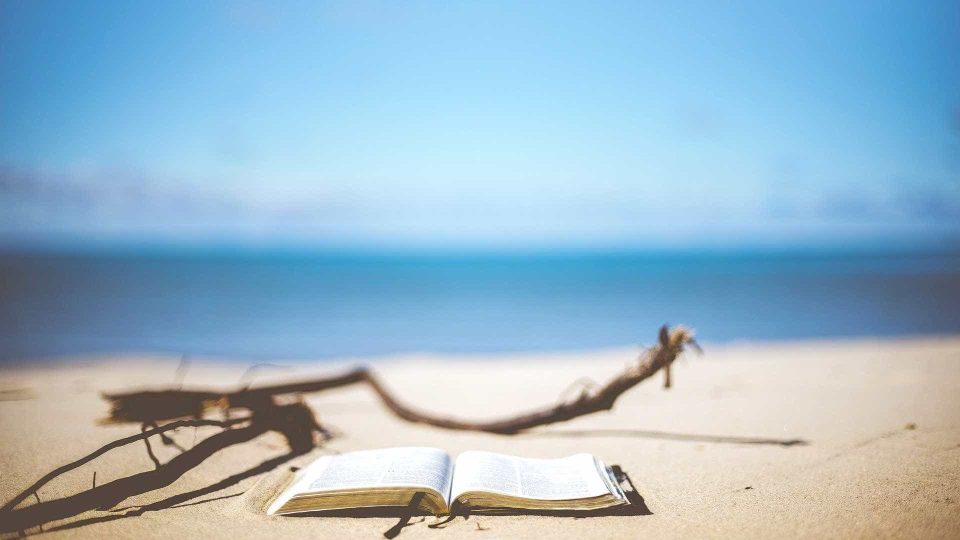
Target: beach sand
[[852, 438]]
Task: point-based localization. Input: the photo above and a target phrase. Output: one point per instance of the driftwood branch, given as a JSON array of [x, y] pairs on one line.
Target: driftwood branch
[[151, 406]]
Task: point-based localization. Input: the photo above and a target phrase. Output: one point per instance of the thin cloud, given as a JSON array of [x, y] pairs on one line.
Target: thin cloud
[[105, 195]]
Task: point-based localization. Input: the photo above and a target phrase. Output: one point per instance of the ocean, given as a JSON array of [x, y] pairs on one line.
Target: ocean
[[261, 306]]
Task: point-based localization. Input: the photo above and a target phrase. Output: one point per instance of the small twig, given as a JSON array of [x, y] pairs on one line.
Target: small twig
[[247, 375], [181, 372], [94, 479], [584, 384]]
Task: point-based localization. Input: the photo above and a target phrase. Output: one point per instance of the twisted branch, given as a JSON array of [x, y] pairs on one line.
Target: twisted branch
[[168, 404]]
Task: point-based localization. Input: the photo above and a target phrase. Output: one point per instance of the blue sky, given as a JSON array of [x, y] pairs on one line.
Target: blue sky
[[480, 123]]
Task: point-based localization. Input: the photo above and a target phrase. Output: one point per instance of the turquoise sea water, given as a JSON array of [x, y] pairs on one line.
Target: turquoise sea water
[[263, 306]]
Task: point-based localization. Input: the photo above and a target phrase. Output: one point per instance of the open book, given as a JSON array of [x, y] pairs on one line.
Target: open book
[[428, 478]]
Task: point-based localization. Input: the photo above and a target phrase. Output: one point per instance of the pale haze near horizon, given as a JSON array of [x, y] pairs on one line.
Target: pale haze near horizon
[[480, 124]]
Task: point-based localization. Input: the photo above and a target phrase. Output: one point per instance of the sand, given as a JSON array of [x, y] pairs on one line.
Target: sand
[[879, 421]]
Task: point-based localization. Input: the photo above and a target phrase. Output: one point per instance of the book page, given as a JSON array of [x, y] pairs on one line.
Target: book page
[[574, 477], [390, 467]]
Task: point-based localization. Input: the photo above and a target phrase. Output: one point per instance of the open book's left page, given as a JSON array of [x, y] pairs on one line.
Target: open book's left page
[[369, 478]]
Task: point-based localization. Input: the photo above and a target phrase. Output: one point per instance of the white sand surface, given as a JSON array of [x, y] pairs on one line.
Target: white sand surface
[[879, 421]]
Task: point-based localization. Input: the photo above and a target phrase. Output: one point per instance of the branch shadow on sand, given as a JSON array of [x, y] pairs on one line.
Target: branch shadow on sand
[[666, 435], [30, 517], [107, 496], [180, 500]]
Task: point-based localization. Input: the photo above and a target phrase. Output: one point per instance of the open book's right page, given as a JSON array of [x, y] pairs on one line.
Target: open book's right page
[[571, 478]]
